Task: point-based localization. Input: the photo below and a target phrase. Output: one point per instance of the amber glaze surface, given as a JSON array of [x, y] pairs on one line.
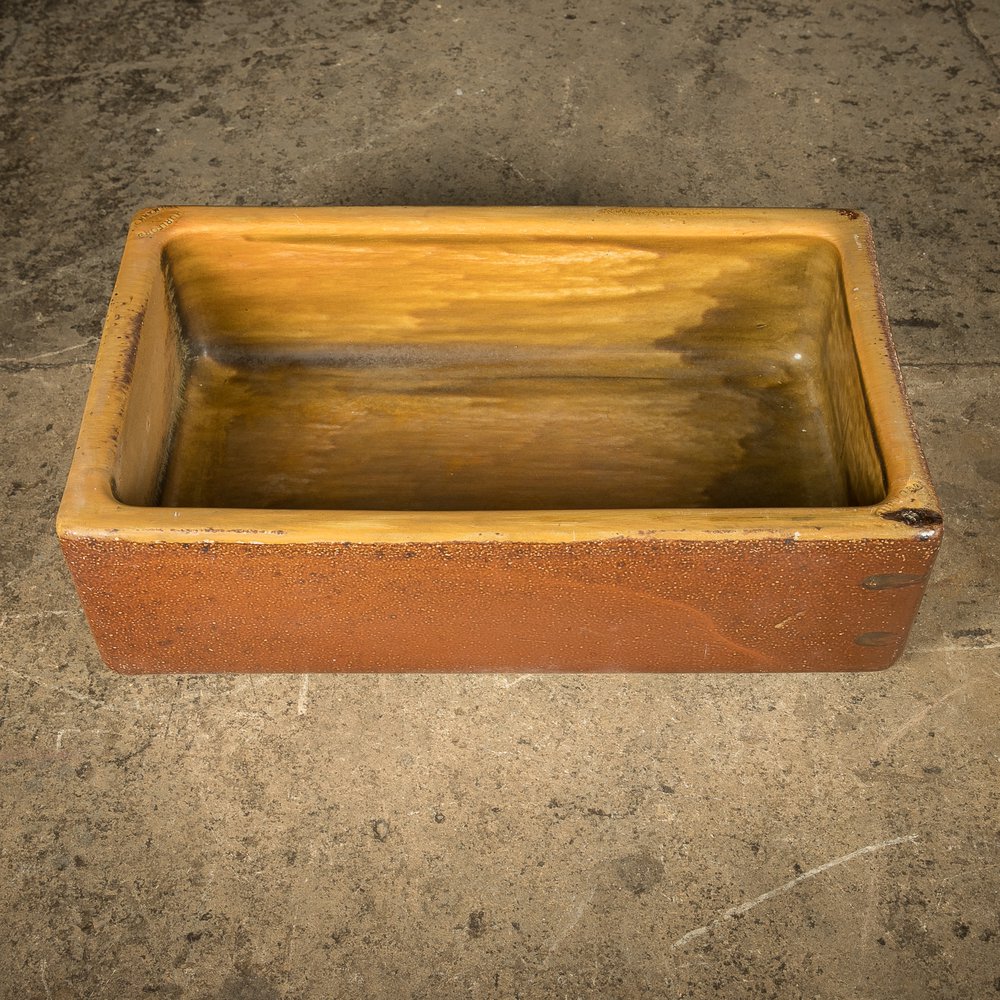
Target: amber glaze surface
[[506, 439]]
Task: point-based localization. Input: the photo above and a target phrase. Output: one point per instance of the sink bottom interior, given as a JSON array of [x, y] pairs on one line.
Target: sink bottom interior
[[321, 436]]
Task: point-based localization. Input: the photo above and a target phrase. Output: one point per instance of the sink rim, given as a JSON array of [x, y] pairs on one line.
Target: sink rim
[[89, 508]]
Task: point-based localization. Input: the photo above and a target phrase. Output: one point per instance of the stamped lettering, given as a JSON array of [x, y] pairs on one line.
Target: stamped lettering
[[154, 214]]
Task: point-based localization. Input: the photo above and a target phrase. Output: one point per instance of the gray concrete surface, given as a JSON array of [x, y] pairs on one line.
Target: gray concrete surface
[[237, 837]]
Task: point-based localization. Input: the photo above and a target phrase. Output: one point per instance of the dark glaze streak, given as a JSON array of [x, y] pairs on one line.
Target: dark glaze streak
[[128, 361], [914, 517]]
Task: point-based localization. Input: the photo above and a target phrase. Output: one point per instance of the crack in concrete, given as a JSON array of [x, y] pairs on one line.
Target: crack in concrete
[[962, 14]]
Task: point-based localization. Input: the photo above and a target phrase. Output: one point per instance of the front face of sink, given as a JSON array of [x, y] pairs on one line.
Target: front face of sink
[[513, 439]]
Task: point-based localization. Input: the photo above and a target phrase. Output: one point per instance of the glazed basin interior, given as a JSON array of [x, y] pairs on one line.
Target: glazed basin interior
[[455, 373]]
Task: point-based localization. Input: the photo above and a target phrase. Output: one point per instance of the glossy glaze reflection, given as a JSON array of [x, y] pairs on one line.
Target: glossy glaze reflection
[[428, 374]]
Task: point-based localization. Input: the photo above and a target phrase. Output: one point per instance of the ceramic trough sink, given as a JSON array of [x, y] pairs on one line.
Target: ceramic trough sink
[[455, 439]]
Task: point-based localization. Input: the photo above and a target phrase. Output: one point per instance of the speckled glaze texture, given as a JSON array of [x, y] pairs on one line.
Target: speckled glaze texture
[[597, 606], [571, 440]]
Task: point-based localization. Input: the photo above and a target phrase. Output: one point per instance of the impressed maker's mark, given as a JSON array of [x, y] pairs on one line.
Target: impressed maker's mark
[[153, 221]]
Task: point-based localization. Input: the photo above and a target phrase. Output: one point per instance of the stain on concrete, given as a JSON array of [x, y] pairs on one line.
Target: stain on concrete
[[638, 873], [248, 985]]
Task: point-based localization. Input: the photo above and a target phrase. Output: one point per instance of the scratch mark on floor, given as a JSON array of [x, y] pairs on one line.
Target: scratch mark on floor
[[304, 695], [955, 648], [574, 916], [738, 911], [412, 124], [503, 161], [61, 733], [123, 759], [36, 614], [918, 716], [968, 873], [51, 354], [169, 64], [508, 682], [69, 692]]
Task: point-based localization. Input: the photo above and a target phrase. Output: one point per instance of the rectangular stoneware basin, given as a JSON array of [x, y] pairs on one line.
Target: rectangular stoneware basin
[[497, 439]]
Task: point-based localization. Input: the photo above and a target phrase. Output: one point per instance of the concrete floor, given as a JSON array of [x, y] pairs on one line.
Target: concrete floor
[[483, 836]]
